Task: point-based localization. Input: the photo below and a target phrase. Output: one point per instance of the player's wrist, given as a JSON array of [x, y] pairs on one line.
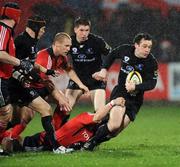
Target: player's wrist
[[111, 104]]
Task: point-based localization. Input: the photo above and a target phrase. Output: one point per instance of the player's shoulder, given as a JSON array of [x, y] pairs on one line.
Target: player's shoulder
[[153, 58], [43, 52], [152, 61], [73, 37], [20, 37], [125, 47], [95, 37]]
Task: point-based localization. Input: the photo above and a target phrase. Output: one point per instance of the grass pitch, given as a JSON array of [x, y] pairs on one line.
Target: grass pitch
[[153, 140]]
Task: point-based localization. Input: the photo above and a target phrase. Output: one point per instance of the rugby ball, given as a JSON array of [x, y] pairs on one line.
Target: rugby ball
[[135, 77]]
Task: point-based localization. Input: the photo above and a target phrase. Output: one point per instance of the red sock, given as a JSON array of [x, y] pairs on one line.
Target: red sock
[[58, 118], [17, 130]]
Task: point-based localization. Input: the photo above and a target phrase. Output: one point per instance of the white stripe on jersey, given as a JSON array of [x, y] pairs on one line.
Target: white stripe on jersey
[[49, 64], [2, 37]]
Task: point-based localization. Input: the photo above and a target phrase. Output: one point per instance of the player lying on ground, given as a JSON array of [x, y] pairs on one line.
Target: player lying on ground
[[72, 134]]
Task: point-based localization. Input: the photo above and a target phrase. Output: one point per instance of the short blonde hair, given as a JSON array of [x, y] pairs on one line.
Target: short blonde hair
[[60, 37]]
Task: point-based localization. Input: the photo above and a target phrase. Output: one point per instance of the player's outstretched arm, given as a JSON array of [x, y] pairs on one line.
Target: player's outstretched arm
[[102, 112]]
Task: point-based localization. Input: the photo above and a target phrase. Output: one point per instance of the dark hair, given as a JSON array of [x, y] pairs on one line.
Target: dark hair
[[82, 21], [36, 22], [141, 36]]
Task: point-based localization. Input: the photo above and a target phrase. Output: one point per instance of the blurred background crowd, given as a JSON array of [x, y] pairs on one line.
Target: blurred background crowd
[[117, 21]]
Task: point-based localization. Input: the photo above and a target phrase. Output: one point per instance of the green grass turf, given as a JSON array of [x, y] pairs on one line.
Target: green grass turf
[[153, 140]]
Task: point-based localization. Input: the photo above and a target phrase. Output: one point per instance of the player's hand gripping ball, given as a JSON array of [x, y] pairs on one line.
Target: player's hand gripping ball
[[136, 78]]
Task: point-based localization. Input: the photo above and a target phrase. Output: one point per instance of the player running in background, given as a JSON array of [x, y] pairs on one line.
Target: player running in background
[[86, 53], [137, 57]]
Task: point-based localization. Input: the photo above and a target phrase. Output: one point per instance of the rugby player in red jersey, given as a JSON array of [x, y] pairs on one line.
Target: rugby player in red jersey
[[74, 133]]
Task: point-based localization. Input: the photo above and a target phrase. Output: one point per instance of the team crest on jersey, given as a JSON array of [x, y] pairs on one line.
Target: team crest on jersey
[[75, 50], [126, 59]]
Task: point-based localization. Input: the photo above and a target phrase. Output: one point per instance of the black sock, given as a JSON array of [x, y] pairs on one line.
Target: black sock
[[101, 133], [65, 119], [48, 127]]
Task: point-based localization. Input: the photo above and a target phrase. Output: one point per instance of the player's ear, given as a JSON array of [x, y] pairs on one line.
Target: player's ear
[[136, 45], [75, 29]]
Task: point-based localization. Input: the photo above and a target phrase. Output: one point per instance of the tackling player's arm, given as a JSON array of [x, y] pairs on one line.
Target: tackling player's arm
[[102, 112]]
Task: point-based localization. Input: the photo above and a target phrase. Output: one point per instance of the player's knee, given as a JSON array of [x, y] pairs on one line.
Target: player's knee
[[114, 126], [45, 110], [27, 117], [6, 111]]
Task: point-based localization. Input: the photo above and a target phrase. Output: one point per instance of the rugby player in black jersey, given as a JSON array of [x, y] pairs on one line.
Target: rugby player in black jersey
[[86, 53], [26, 41], [135, 57]]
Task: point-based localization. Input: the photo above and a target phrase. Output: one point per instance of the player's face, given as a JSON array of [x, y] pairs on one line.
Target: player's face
[[41, 32], [82, 33], [143, 49], [62, 48]]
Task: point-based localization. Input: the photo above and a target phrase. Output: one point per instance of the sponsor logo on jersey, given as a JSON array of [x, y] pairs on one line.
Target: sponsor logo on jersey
[[129, 68], [139, 67], [81, 56], [89, 51]]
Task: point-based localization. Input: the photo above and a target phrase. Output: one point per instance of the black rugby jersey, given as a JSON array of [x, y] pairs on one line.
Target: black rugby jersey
[[147, 67], [87, 56], [25, 46]]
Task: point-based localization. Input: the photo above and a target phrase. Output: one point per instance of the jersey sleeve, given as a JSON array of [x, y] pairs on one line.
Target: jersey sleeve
[[104, 46], [116, 53], [150, 78], [20, 47], [4, 38], [42, 59]]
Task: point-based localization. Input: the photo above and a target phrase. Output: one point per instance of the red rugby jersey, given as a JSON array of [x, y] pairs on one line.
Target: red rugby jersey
[[76, 130], [6, 44], [48, 60]]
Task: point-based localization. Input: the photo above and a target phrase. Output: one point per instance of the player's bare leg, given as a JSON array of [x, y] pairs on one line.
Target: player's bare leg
[[98, 97]]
